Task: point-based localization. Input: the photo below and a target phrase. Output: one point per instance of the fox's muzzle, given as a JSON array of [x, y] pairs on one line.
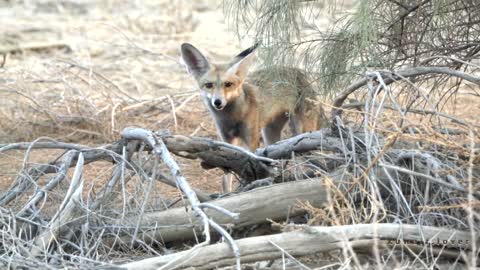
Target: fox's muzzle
[[217, 100], [218, 103]]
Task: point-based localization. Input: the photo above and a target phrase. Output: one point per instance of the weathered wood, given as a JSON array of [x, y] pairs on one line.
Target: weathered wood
[[309, 240], [219, 154], [213, 154], [321, 140], [254, 207]]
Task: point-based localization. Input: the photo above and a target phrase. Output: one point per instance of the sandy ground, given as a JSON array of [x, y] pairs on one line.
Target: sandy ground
[[116, 50]]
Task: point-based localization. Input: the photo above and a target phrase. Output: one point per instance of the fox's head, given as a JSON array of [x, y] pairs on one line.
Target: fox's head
[[220, 83]]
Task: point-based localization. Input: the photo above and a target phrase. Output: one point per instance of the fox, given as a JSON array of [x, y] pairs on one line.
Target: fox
[[249, 106]]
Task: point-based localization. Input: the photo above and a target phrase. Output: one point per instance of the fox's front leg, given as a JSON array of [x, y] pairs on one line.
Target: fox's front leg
[[254, 141], [228, 178], [252, 135], [250, 138]]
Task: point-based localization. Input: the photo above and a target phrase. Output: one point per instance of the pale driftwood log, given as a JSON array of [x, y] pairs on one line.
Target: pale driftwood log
[[254, 207], [309, 240]]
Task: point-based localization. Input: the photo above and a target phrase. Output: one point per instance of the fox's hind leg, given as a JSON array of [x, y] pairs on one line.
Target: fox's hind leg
[[295, 124], [314, 116], [273, 131], [309, 117]]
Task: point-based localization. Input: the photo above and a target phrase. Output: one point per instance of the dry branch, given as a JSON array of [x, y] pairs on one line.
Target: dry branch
[[202, 195], [392, 76], [161, 151], [212, 153], [109, 152], [321, 140], [40, 193], [310, 240], [68, 211]]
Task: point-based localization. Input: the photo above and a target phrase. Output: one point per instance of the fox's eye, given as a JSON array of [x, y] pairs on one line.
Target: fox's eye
[[208, 85], [228, 84]]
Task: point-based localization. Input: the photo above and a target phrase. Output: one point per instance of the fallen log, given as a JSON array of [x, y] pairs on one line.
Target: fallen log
[[257, 206], [254, 207], [310, 240], [213, 154]]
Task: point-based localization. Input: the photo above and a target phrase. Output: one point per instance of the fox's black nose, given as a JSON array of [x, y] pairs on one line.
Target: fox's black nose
[[217, 102]]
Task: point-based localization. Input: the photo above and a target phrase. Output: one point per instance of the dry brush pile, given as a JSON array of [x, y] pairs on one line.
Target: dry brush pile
[[393, 181], [360, 186]]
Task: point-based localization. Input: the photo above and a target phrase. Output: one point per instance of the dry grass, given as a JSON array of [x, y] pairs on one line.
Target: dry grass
[[115, 64], [119, 67]]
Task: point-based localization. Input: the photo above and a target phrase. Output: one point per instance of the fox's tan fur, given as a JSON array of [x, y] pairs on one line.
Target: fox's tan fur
[[254, 106]]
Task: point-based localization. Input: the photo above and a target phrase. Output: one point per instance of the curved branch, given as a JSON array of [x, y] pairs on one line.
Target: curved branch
[[392, 76]]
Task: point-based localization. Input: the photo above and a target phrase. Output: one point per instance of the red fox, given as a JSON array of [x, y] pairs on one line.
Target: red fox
[[246, 106]]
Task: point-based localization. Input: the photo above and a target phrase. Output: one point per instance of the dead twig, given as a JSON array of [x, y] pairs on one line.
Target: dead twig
[[41, 193], [161, 150]]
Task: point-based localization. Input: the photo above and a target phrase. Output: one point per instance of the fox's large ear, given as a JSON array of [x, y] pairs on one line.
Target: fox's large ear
[[196, 63], [243, 54], [241, 66]]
